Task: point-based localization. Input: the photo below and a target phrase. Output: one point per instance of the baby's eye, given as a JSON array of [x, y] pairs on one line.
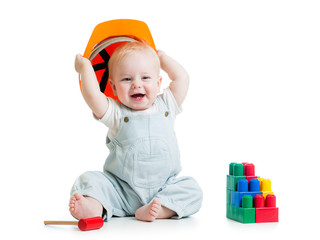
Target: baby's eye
[[126, 79], [146, 77]]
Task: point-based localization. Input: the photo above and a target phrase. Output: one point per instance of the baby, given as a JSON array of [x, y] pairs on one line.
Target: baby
[[140, 174]]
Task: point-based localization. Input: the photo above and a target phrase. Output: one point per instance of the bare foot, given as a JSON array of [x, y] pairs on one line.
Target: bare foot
[[84, 207], [152, 211]]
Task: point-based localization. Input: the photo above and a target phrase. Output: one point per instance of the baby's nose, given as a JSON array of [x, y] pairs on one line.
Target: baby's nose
[[136, 84]]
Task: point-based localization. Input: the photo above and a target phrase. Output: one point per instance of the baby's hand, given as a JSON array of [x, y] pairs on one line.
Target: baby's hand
[[160, 53], [81, 63]]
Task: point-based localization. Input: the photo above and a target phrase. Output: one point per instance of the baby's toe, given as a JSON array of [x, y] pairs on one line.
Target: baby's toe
[[77, 196]]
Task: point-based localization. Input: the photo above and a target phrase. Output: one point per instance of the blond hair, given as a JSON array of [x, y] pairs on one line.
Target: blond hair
[[128, 48]]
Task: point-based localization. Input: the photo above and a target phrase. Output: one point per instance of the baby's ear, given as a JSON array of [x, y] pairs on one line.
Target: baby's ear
[[113, 87]]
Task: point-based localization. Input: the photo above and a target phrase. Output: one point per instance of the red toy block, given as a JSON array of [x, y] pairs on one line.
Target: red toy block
[[266, 211], [249, 171], [251, 177]]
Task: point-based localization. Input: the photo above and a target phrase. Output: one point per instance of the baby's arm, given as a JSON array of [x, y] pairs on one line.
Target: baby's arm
[[178, 75], [96, 100]]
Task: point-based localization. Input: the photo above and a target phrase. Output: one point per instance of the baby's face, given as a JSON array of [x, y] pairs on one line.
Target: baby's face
[[136, 80]]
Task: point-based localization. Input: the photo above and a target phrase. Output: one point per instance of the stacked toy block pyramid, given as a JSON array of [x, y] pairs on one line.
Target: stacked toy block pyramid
[[249, 198]]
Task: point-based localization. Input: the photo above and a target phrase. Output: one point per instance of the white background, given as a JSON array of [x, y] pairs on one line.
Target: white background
[[254, 96]]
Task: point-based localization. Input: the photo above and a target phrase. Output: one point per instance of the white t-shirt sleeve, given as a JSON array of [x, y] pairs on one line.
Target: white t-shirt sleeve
[[171, 102], [112, 117]]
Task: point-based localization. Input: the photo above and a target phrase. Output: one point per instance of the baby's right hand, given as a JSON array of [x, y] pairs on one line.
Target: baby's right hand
[[81, 63]]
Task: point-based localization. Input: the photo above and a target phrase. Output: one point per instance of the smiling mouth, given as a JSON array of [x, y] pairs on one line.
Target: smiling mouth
[[138, 96]]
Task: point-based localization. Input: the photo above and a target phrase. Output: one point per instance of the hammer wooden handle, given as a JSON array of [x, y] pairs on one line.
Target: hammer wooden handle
[[61, 222]]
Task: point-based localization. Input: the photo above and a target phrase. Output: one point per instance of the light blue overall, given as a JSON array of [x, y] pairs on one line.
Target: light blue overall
[[142, 165]]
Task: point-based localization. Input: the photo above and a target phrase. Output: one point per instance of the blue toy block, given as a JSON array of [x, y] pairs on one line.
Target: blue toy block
[[244, 188]]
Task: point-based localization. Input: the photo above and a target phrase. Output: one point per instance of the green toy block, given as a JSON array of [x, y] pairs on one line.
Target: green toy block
[[229, 211], [245, 214], [236, 169], [228, 197], [236, 172], [232, 182]]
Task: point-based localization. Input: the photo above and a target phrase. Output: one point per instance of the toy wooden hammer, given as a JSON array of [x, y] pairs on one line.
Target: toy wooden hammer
[[84, 224]]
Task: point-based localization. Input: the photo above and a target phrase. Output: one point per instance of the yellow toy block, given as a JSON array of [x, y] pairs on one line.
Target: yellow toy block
[[265, 186]]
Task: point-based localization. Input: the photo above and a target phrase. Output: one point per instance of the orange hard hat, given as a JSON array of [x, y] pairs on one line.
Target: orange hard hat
[[105, 38]]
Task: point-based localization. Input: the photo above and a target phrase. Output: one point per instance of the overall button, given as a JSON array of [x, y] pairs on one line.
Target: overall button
[[166, 114], [126, 119]]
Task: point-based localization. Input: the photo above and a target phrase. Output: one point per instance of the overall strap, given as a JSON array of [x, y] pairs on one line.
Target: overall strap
[[162, 106]]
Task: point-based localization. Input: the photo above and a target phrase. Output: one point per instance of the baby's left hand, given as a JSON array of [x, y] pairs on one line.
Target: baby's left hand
[[81, 63], [160, 53]]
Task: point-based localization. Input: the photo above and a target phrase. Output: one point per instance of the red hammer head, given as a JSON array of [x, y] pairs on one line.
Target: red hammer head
[[86, 224]]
